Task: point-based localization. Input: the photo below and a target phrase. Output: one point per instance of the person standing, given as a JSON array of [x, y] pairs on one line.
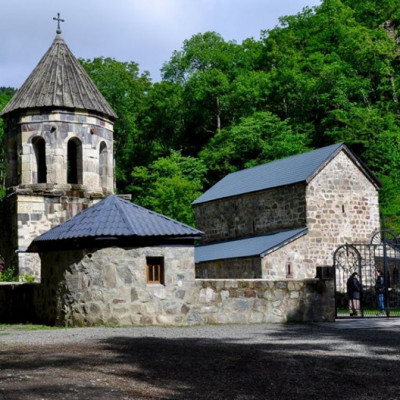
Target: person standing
[[354, 293], [379, 291]]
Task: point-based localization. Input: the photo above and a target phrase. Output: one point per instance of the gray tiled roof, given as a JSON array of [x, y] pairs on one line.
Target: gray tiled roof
[[117, 217], [287, 171], [248, 247], [59, 81]]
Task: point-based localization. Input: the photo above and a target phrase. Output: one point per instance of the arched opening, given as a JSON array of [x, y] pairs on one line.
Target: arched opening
[[103, 170], [74, 162], [39, 148]]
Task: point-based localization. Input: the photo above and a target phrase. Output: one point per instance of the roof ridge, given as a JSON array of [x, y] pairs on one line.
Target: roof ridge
[[285, 171]]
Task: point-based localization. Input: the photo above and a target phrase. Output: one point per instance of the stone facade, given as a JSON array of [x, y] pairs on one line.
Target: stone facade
[[232, 268], [109, 287], [252, 214], [342, 207], [32, 211], [338, 205], [93, 136], [196, 303], [41, 191]]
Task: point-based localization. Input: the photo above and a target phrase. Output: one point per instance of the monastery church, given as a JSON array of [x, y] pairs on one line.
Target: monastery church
[[260, 233]]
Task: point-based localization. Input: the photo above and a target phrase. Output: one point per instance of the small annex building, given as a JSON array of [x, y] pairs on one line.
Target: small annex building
[[283, 219], [116, 263]]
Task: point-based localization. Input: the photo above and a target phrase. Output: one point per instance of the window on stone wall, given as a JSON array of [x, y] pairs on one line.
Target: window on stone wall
[[39, 148], [155, 270], [103, 165], [74, 163], [289, 270]]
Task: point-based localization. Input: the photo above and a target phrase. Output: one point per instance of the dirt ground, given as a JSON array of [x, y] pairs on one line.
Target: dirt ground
[[219, 362]]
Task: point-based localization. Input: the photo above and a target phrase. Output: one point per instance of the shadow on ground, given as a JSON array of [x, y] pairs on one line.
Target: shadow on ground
[[292, 362]]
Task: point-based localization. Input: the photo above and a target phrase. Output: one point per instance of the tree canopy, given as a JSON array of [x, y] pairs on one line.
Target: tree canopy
[[328, 74]]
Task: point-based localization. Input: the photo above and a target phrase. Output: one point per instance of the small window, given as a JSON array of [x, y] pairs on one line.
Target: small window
[[155, 270], [74, 161], [39, 148], [289, 270]]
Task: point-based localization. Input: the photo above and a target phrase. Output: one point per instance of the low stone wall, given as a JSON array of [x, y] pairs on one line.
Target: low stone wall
[[257, 301], [206, 302]]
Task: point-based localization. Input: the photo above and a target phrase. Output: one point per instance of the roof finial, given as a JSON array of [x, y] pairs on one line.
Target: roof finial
[[58, 19]]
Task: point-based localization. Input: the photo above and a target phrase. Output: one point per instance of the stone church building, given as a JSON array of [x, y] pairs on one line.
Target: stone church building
[[286, 218]]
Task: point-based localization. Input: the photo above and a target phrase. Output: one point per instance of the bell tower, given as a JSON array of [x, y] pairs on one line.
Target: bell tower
[[59, 143]]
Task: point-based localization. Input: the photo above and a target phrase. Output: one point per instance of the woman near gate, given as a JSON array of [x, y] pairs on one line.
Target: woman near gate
[[354, 292]]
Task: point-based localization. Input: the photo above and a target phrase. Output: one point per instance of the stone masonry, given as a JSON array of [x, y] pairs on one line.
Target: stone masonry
[[108, 287], [339, 205], [33, 206], [252, 214]]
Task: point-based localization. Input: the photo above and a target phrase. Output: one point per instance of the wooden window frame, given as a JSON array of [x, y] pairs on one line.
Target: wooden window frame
[[155, 270]]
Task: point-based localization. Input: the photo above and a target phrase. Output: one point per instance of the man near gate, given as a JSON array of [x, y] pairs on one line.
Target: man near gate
[[380, 290]]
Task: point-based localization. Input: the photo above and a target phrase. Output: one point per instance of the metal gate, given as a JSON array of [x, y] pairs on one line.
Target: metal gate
[[383, 253]]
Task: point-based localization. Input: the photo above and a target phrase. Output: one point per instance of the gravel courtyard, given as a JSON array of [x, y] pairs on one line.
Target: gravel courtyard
[[343, 360]]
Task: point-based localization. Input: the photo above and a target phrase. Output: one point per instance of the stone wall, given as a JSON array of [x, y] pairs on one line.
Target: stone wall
[[342, 207], [31, 211], [39, 200], [257, 301], [252, 214], [56, 128], [290, 261], [231, 268], [206, 302], [108, 287]]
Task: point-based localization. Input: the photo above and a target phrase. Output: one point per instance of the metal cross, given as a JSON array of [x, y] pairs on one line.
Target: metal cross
[[58, 19]]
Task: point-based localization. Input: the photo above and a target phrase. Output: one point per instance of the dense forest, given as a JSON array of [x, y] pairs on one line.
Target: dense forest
[[328, 74]]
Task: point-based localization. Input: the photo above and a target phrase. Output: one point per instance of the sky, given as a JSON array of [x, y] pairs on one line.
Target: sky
[[143, 31]]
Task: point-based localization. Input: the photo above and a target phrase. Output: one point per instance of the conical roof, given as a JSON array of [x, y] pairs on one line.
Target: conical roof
[[118, 218], [59, 81]]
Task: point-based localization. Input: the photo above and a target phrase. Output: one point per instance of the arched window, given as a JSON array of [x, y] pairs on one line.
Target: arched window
[[103, 165], [74, 163], [39, 148]]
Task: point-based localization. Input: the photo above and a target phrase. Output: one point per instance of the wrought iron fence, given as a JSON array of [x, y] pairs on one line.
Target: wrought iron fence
[[382, 253]]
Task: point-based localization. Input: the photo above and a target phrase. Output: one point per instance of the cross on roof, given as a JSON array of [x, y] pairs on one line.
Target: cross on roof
[[58, 19]]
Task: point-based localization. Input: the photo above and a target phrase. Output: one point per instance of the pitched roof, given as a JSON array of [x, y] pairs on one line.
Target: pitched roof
[[287, 171], [59, 81], [248, 247], [117, 218]]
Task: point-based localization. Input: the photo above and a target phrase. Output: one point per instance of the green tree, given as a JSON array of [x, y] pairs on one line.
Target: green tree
[[206, 68], [255, 140], [125, 89], [169, 185], [6, 93]]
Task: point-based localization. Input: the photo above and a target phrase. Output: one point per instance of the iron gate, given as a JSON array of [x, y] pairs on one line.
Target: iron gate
[[382, 253]]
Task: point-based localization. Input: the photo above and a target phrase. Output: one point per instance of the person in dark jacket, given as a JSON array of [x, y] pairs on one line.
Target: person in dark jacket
[[354, 293], [379, 291]]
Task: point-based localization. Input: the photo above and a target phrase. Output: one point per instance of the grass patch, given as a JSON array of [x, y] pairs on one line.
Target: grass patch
[[29, 327]]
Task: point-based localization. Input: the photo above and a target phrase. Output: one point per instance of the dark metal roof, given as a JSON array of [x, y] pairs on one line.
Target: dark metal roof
[[257, 246], [117, 218], [59, 81], [287, 171]]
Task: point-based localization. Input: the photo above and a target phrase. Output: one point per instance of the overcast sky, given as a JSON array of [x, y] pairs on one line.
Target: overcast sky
[[143, 31]]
